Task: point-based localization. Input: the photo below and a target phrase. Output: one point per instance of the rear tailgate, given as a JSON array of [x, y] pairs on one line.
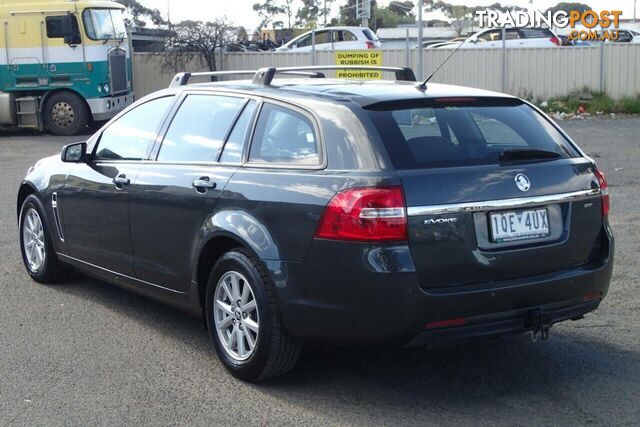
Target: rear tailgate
[[477, 212], [451, 229]]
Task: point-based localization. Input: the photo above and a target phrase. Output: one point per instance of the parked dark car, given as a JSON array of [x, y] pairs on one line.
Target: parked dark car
[[328, 211]]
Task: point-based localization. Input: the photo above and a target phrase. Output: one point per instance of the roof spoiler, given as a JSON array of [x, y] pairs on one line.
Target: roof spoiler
[[264, 76]]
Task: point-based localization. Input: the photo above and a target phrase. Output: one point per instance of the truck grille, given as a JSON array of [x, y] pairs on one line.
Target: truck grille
[[118, 70]]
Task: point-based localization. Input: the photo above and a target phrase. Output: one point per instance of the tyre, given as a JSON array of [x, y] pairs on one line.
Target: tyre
[[244, 321], [36, 246], [65, 113]]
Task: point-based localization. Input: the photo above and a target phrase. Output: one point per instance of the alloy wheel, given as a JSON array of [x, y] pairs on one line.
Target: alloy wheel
[[33, 240], [235, 315]]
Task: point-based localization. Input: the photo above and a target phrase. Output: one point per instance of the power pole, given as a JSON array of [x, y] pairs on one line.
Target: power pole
[[363, 11], [420, 49]]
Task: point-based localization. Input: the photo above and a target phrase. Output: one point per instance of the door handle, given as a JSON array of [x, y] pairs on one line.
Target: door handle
[[121, 180], [204, 182]]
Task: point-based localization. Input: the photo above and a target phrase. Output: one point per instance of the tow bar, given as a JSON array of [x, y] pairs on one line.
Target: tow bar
[[539, 323]]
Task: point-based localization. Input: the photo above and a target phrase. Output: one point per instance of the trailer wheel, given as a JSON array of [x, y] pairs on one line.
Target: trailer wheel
[[65, 113]]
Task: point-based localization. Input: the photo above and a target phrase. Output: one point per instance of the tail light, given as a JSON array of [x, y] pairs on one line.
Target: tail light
[[604, 192], [555, 40], [370, 45], [365, 215]]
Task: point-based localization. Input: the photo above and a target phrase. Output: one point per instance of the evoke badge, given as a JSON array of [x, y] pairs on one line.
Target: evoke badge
[[433, 221], [522, 182]]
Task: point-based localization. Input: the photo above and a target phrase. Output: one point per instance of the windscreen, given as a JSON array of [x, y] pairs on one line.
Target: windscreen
[[446, 134], [104, 24]]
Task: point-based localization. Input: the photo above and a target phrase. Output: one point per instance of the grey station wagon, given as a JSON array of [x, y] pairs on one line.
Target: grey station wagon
[[308, 209]]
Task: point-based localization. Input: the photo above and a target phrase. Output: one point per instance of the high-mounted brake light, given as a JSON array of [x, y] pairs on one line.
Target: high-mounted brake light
[[365, 215], [454, 100], [460, 321], [604, 192]]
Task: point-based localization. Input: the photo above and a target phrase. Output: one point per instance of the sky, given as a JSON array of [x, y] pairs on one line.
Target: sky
[[240, 12]]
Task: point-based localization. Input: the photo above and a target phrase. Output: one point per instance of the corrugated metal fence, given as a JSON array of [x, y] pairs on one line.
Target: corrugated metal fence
[[538, 73]]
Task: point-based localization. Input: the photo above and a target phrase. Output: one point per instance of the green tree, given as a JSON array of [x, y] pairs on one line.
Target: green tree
[[348, 13], [460, 15], [198, 40], [567, 6], [314, 12], [402, 8], [393, 15], [241, 34], [272, 12], [137, 14]]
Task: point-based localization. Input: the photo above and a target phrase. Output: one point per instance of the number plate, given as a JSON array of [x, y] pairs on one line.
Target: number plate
[[519, 225]]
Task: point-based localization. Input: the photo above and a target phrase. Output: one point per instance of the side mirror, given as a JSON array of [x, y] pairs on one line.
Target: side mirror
[[70, 30], [74, 153]]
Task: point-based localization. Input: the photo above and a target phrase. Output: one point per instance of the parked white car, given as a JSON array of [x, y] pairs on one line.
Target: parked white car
[[515, 37], [339, 38]]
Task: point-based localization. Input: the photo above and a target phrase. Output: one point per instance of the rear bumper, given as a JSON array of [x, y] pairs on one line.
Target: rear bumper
[[513, 322], [356, 294]]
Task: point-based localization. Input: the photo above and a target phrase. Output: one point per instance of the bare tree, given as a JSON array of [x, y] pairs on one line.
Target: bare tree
[[197, 40]]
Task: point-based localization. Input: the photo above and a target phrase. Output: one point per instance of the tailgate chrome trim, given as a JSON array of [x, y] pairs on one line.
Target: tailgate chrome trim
[[502, 204]]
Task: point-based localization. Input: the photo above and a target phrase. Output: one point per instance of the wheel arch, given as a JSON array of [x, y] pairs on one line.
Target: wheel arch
[[26, 189], [210, 251], [46, 95]]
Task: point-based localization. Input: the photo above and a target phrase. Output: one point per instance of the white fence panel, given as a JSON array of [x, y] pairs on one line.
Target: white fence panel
[[536, 73]]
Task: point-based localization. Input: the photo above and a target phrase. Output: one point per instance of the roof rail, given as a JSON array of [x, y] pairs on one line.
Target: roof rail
[[264, 76], [182, 79]]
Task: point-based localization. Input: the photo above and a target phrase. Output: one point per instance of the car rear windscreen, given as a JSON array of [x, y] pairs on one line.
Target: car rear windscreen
[[370, 35], [454, 133]]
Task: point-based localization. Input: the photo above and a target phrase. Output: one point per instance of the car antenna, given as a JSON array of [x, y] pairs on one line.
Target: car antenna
[[423, 86]]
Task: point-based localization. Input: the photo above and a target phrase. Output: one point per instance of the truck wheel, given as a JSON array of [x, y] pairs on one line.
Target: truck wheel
[[65, 114]]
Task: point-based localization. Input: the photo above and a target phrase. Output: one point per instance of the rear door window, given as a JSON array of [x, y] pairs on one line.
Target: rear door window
[[199, 128], [343, 36], [284, 136], [535, 33], [447, 135]]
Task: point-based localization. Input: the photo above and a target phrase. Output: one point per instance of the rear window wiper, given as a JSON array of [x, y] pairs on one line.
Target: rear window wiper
[[520, 154]]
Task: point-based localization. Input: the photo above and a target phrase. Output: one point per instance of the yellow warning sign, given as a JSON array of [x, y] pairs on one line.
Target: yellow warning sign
[[359, 57]]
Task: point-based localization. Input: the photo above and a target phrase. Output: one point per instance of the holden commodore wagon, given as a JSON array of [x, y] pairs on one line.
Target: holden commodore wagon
[[312, 210]]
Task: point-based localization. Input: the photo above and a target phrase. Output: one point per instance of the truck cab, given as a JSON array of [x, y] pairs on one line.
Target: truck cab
[[63, 64]]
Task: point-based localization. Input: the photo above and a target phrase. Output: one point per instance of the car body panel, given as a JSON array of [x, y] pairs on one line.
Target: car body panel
[[331, 38], [169, 216], [329, 291], [95, 214]]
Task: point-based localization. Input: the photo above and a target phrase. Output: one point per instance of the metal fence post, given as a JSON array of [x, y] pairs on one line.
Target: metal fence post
[[602, 68], [313, 47], [407, 51], [420, 38], [504, 60], [222, 52]]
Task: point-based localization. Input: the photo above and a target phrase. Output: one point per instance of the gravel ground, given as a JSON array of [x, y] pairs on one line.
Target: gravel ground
[[88, 353]]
